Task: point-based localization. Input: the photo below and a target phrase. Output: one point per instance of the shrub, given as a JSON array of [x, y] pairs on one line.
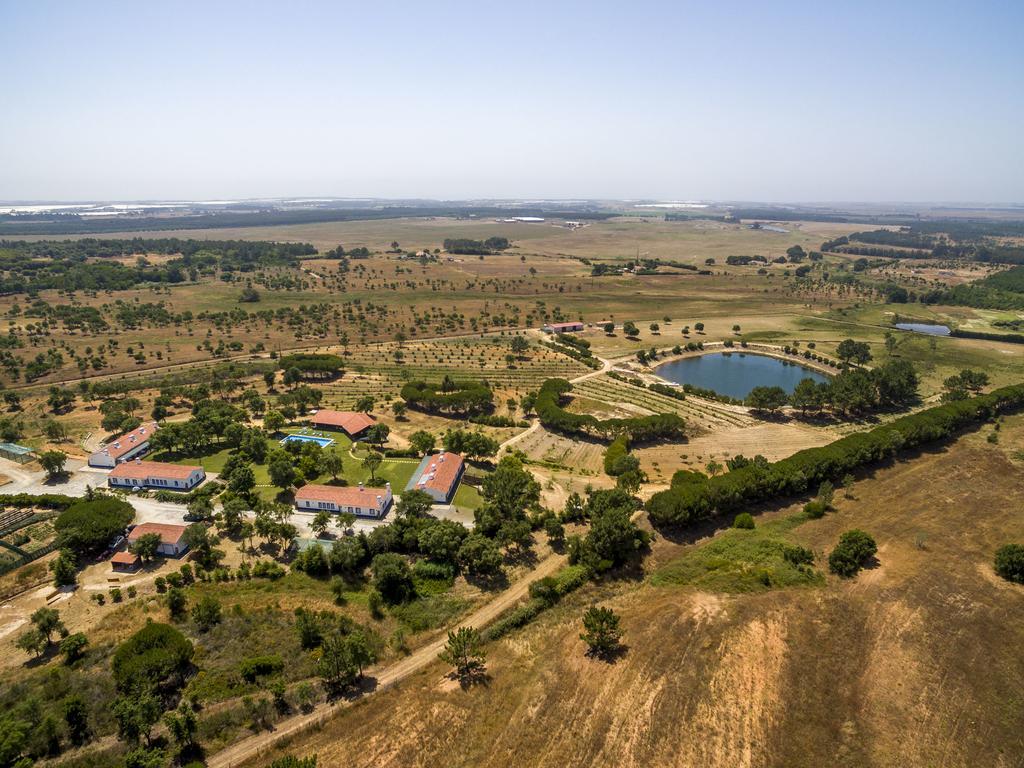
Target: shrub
[[260, 666], [744, 520], [797, 555], [815, 509], [854, 550], [1009, 562]]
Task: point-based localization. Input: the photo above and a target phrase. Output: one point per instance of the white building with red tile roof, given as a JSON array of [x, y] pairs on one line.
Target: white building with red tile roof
[[351, 423], [124, 448], [155, 474], [359, 500], [439, 476], [172, 537]]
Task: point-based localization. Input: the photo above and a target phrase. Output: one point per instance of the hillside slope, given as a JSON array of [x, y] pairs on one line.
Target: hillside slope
[[915, 662]]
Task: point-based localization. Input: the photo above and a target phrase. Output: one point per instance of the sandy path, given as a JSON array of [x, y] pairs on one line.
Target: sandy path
[[251, 746]]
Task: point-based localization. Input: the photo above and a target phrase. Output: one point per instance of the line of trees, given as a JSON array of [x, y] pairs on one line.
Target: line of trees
[[694, 497]]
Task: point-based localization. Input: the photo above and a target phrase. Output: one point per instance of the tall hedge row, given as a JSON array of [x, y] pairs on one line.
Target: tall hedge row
[[554, 417], [693, 497]]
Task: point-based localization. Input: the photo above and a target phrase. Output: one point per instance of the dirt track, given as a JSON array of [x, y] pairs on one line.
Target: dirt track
[[252, 746]]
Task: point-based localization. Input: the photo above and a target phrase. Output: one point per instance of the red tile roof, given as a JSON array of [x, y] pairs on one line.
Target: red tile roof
[[169, 534], [140, 470], [440, 474], [129, 441], [125, 558], [353, 423], [342, 496]]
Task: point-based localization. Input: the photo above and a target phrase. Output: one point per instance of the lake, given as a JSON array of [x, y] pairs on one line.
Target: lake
[[736, 373], [931, 330]]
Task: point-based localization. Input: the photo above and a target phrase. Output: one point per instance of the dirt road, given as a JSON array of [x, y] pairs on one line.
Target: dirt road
[[243, 750]]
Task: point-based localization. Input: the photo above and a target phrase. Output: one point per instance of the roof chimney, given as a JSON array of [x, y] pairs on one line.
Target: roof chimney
[[388, 486], [360, 486]]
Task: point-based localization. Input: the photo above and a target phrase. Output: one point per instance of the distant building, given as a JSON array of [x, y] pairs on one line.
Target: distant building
[[155, 474], [172, 537], [351, 423], [439, 476], [124, 448], [562, 327], [360, 501]]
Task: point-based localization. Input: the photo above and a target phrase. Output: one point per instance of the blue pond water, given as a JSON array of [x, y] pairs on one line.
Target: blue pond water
[[931, 330], [323, 442], [736, 373]]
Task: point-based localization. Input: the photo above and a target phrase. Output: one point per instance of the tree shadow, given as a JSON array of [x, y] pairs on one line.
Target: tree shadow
[[490, 582], [610, 656]]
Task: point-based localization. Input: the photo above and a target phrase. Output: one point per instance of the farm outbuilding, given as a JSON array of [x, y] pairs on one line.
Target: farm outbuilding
[[15, 452], [172, 537], [562, 327], [125, 562]]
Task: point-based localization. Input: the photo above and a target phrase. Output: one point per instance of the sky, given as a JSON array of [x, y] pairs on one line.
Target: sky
[[757, 101]]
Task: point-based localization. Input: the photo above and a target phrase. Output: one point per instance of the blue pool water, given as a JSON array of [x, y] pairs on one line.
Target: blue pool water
[[931, 330], [323, 442], [736, 373]]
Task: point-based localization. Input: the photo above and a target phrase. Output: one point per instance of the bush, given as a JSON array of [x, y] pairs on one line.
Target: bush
[[854, 550], [744, 520], [797, 555], [815, 509], [1009, 562], [260, 666]]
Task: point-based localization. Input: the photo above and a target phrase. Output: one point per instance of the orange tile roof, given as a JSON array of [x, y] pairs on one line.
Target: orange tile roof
[[350, 421], [125, 558], [169, 534], [441, 472], [342, 496], [140, 470], [129, 440]]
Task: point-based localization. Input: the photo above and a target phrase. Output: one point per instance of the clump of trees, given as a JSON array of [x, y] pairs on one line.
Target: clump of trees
[[694, 497], [467, 246], [449, 397], [641, 428], [88, 526], [314, 366]]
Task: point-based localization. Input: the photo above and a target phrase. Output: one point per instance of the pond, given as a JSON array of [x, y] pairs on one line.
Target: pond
[[736, 373], [931, 330]]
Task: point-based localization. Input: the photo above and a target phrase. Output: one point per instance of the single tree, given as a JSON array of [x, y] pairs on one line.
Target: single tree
[[464, 652], [601, 631], [372, 462], [53, 462]]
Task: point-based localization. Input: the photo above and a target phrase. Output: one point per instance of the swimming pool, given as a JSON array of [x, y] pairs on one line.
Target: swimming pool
[[323, 442]]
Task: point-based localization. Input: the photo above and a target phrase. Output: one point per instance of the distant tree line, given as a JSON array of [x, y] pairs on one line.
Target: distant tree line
[[476, 247]]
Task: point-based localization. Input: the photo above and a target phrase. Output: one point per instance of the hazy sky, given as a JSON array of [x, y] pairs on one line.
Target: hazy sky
[[821, 100]]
